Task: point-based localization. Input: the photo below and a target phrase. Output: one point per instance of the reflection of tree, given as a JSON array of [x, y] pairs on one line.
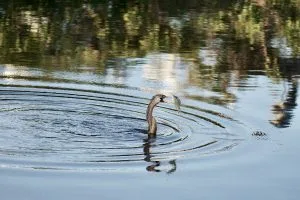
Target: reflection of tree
[[154, 166], [65, 34], [132, 28], [283, 110]]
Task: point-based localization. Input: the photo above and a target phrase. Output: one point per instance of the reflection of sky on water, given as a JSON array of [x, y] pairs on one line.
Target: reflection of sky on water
[[282, 45], [167, 73], [208, 55], [267, 100], [154, 73], [166, 69]]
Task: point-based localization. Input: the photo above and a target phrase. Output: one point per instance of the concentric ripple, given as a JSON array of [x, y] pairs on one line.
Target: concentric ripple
[[67, 128]]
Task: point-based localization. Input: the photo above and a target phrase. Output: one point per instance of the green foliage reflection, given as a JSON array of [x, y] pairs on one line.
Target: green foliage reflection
[[66, 34]]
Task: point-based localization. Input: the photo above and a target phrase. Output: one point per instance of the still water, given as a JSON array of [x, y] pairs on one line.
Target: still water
[[76, 78]]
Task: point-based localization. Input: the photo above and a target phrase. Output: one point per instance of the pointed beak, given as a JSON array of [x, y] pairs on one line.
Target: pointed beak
[[162, 99], [167, 99]]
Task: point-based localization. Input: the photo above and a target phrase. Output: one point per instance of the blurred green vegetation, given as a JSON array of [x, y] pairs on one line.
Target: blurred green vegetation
[[67, 34]]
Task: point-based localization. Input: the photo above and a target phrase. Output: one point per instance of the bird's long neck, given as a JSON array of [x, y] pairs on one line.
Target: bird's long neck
[[152, 127]]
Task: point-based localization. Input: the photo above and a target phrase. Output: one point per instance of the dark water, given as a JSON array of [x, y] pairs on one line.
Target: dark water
[[76, 78]]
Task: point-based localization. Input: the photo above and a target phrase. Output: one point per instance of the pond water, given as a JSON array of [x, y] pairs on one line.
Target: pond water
[[76, 78]]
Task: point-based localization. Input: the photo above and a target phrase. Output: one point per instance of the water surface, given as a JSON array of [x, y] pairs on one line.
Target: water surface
[[76, 78]]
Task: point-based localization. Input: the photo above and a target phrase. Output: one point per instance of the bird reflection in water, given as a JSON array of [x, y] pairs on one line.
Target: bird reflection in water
[[155, 164], [151, 140]]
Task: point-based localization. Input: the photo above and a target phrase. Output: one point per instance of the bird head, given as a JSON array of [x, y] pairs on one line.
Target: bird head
[[159, 98]]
